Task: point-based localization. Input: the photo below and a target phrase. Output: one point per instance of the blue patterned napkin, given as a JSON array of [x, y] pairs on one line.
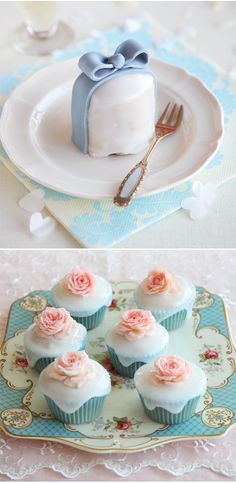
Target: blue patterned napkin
[[100, 223]]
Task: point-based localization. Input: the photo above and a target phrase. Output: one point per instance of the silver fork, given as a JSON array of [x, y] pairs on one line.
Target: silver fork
[[166, 125]]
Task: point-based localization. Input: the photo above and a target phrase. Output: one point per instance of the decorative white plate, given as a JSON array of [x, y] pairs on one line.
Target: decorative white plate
[[35, 131], [122, 425]]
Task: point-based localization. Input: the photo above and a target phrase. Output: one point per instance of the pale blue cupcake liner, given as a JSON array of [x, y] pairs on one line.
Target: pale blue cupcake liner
[[42, 363], [45, 361], [129, 371], [91, 321], [175, 321], [163, 416], [175, 318], [85, 414]]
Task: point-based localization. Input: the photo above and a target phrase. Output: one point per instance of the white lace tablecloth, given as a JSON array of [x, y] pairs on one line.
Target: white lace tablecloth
[[24, 271]]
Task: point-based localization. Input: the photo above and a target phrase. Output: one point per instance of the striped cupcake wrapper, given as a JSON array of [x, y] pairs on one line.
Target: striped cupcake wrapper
[[174, 318], [85, 414], [125, 371], [91, 321], [42, 363], [163, 416], [174, 321]]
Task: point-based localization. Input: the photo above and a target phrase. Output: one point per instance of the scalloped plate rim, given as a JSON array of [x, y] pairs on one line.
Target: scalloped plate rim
[[117, 449], [206, 157]]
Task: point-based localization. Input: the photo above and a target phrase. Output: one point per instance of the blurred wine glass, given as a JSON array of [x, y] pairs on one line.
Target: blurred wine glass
[[41, 32]]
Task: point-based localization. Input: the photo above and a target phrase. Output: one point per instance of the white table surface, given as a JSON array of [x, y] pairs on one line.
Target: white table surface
[[212, 32]]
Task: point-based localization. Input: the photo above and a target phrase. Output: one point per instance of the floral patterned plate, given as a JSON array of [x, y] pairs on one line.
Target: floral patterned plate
[[122, 425]]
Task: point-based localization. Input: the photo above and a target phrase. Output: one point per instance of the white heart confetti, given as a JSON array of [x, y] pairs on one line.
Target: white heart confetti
[[40, 226], [33, 201], [196, 208]]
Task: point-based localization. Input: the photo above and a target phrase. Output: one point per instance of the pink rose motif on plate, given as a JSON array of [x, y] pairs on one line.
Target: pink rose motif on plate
[[54, 322], [135, 324], [170, 369], [74, 369], [159, 281], [79, 282], [21, 362], [124, 425], [211, 354], [114, 305]]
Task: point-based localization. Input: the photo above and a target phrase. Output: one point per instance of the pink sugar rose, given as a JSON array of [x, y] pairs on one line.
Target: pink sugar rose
[[136, 323], [54, 322], [170, 369], [74, 369], [79, 282], [159, 281]]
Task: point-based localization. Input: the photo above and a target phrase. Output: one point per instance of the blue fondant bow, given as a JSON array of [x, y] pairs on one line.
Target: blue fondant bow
[[129, 54]]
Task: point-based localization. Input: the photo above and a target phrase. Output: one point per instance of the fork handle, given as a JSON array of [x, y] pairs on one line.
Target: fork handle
[[131, 183]]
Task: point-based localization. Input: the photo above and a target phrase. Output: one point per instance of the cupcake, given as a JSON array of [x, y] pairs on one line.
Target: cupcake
[[75, 387], [84, 295], [53, 332], [170, 298], [135, 340], [170, 389]]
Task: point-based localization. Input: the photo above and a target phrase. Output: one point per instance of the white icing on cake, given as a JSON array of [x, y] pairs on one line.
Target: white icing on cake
[[70, 399], [83, 305], [121, 115], [172, 397], [165, 300], [37, 347], [138, 350]]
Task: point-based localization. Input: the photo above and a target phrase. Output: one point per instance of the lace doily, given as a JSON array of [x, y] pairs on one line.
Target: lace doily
[[176, 458], [24, 271]]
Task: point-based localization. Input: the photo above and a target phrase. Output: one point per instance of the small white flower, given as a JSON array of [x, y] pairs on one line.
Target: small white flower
[[204, 197]]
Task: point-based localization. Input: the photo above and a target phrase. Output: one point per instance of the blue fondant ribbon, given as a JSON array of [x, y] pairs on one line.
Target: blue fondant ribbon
[[97, 69], [129, 54]]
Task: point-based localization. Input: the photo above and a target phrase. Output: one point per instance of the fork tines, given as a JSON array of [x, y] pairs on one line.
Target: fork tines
[[171, 118]]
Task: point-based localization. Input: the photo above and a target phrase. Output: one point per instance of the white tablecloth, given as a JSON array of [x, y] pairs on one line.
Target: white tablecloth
[[207, 26]]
